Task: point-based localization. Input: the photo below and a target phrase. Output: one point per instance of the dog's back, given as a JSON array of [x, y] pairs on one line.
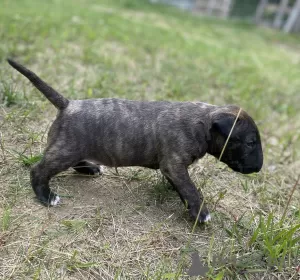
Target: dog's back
[[119, 132]]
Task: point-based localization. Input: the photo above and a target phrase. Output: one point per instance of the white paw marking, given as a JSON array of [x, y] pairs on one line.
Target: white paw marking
[[101, 169], [207, 218], [55, 201]]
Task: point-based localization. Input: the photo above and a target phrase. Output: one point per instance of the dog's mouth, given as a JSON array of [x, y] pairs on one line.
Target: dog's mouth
[[236, 167], [244, 169]]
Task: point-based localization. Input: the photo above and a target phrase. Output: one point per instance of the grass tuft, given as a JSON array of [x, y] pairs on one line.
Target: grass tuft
[[6, 219], [8, 94]]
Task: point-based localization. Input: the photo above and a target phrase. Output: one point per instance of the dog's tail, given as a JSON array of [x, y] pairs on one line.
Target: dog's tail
[[52, 95]]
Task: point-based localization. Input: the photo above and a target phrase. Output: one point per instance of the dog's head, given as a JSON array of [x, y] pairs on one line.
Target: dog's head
[[243, 152]]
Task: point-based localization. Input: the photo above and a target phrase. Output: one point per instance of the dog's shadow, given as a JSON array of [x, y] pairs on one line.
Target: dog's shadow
[[137, 192]]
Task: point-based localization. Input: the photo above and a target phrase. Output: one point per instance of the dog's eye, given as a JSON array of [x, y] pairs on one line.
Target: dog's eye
[[250, 143]]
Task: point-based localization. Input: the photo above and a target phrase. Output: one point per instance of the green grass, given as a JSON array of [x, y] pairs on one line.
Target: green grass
[[276, 243], [130, 224]]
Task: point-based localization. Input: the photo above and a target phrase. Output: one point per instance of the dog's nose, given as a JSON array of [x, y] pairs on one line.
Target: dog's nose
[[249, 170], [257, 169]]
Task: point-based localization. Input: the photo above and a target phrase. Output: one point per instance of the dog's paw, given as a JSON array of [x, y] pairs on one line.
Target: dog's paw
[[49, 198], [101, 169], [206, 219], [55, 200], [89, 169], [95, 170], [204, 216]]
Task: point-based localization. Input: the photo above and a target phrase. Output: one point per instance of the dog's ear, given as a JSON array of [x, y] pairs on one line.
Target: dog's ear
[[223, 125]]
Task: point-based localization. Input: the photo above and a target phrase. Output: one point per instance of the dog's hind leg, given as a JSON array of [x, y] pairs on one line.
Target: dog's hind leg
[[88, 168], [179, 177], [52, 163]]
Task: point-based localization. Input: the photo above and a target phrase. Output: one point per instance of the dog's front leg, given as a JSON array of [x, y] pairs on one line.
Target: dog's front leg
[[179, 178]]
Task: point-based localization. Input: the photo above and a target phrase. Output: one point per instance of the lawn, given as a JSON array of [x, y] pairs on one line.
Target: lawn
[[128, 223]]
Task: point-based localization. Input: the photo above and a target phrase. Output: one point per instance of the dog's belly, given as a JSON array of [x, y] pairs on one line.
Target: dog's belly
[[126, 151], [116, 162], [124, 144], [126, 158]]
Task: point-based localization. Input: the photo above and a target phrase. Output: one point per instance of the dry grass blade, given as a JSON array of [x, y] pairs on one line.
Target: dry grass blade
[[224, 147]]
